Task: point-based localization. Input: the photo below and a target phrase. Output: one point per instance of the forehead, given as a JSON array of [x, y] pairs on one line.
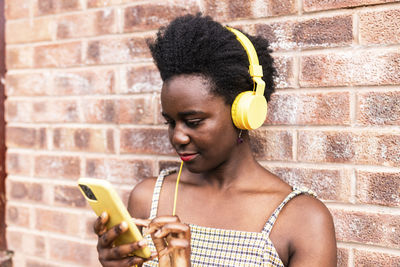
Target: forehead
[[185, 92]]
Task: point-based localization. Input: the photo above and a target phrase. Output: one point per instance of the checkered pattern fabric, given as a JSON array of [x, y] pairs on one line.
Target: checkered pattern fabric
[[221, 247]]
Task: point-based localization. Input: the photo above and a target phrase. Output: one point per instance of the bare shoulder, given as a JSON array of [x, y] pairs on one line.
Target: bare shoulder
[[139, 203], [309, 227]]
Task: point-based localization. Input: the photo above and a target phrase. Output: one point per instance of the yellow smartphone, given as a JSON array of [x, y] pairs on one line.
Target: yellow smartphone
[[102, 197]]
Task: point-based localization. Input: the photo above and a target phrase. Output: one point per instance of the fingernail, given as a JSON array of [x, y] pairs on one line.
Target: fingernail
[[143, 242], [123, 226], [103, 215]]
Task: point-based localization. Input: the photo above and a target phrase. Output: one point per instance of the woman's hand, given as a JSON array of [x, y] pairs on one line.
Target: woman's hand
[[113, 256], [172, 241]]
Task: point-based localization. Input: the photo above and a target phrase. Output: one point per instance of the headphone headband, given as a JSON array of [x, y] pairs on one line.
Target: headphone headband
[[255, 69]]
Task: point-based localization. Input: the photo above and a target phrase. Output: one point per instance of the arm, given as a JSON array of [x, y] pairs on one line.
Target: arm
[[312, 241]]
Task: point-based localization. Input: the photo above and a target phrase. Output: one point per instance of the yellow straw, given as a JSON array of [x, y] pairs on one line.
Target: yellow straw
[[176, 189]]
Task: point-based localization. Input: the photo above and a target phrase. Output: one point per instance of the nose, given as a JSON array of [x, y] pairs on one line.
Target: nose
[[179, 136]]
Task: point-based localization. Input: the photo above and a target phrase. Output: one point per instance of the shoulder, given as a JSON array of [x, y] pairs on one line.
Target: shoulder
[[311, 242], [140, 198]]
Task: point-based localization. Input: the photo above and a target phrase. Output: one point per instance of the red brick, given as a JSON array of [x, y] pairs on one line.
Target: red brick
[[307, 109], [327, 184], [382, 27], [343, 257], [370, 258], [80, 139], [233, 10], [16, 9], [47, 7], [349, 147], [87, 24], [26, 243], [17, 216], [103, 3], [55, 111], [350, 68], [117, 50], [314, 5], [136, 111], [146, 141], [285, 72], [57, 167], [119, 170], [25, 191], [272, 144], [141, 79], [27, 31], [70, 196], [320, 32], [27, 84], [373, 228], [153, 15], [39, 263], [378, 108], [84, 82], [61, 250], [165, 164], [381, 188], [18, 111], [25, 137], [18, 164], [19, 57], [58, 55], [57, 221], [100, 110]]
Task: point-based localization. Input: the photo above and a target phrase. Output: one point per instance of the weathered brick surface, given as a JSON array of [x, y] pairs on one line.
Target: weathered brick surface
[[380, 188], [72, 252], [342, 257], [370, 258], [382, 27], [119, 170], [19, 164], [16, 9], [69, 196], [27, 84], [145, 141], [18, 216], [314, 5], [57, 167], [349, 147], [47, 7], [141, 79], [86, 24], [321, 32], [373, 228], [26, 243], [272, 145], [234, 10], [23, 191], [117, 50], [28, 31], [25, 137], [153, 15], [379, 108], [57, 222], [327, 184], [19, 57], [350, 68], [308, 109], [285, 72], [58, 55]]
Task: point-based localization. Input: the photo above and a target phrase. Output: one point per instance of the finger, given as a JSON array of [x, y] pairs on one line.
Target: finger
[[157, 222], [141, 222], [175, 244], [99, 226], [106, 239], [180, 229], [125, 250]]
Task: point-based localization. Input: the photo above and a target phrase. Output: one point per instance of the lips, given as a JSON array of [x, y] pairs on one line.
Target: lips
[[187, 156]]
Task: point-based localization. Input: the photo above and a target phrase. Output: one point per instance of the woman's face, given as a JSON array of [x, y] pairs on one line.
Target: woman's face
[[199, 122]]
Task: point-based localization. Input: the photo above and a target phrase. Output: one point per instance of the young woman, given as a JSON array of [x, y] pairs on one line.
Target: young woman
[[228, 205]]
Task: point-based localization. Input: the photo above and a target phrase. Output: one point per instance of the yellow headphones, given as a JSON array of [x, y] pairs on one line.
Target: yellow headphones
[[249, 109]]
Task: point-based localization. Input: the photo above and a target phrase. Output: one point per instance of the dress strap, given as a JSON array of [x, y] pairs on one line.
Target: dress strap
[[296, 191], [157, 190]]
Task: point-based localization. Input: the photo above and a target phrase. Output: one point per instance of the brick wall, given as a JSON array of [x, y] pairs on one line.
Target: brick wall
[[83, 100]]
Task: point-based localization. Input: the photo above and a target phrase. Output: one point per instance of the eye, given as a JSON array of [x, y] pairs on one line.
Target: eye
[[193, 123], [169, 122]]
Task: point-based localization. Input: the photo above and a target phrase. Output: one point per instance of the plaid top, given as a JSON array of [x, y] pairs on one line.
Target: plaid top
[[221, 247]]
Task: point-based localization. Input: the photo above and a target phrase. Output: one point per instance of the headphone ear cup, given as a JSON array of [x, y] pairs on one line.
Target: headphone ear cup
[[249, 110]]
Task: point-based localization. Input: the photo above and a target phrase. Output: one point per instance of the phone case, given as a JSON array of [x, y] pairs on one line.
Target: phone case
[[102, 197]]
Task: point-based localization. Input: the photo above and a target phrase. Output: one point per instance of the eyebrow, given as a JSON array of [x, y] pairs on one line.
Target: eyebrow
[[185, 113]]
